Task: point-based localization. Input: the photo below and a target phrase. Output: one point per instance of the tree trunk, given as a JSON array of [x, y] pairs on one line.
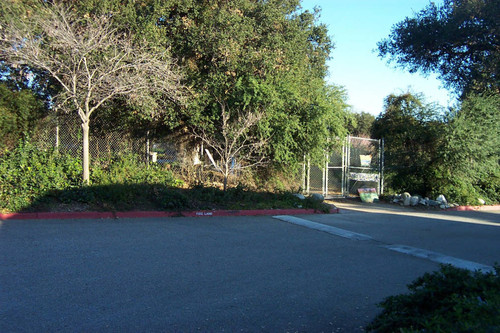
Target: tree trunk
[[225, 182], [226, 176], [86, 157]]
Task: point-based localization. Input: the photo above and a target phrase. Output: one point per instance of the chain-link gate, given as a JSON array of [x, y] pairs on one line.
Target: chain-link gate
[[364, 164], [357, 163]]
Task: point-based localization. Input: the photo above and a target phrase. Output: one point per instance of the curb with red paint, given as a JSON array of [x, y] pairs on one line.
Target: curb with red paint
[[149, 214], [474, 208]]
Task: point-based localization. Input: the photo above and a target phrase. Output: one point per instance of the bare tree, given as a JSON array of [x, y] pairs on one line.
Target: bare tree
[[233, 145], [92, 62]]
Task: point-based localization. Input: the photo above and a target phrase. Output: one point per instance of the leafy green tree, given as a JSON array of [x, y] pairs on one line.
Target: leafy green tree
[[20, 111], [460, 40], [252, 54], [361, 124], [92, 63], [469, 160], [412, 132]]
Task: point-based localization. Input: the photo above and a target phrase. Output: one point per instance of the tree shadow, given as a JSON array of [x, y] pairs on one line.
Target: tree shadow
[[158, 197]]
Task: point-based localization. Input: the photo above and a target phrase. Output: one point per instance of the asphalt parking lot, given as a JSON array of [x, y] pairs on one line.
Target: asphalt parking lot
[[247, 274]]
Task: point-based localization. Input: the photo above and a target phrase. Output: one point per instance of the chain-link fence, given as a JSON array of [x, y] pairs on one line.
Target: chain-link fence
[[65, 134], [356, 163], [188, 159], [364, 164]]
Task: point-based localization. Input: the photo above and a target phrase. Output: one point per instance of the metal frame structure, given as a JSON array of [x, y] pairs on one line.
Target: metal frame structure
[[352, 175]]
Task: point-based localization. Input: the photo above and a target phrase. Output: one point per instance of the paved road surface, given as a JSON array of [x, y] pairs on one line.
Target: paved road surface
[[245, 274]]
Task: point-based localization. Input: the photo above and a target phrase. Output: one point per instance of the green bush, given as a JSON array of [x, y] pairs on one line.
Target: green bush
[[27, 173], [128, 169], [449, 300], [30, 178], [33, 179], [468, 165], [21, 113], [454, 153], [123, 183], [240, 197]]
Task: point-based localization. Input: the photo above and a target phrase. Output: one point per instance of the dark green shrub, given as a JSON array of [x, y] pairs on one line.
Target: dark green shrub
[[173, 200], [20, 114], [124, 182], [468, 166], [33, 179], [240, 197], [449, 300], [27, 173], [30, 177]]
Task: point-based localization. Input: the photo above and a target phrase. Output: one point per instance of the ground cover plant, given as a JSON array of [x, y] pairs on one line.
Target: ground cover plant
[[128, 197], [448, 300], [46, 180]]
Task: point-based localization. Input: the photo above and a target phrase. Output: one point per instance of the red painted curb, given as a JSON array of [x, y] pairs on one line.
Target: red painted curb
[[18, 216], [142, 214], [256, 212], [474, 208], [57, 215], [147, 214]]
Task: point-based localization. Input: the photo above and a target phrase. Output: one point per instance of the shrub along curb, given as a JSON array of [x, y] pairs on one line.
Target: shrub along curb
[[146, 214]]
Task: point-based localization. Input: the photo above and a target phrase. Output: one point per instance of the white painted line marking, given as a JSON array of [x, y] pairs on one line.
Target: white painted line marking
[[440, 258], [413, 251], [321, 227]]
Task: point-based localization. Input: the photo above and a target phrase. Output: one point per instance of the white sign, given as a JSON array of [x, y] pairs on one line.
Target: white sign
[[364, 177]]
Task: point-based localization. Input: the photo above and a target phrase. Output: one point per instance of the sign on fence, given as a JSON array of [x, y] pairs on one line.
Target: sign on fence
[[364, 177]]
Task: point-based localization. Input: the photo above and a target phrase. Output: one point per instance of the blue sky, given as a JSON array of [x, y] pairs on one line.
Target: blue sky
[[355, 27]]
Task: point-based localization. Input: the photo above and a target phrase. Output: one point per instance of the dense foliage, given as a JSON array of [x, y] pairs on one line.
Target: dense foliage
[[449, 300], [20, 113], [255, 56], [456, 154], [469, 157], [258, 56], [460, 40], [27, 173], [360, 124], [429, 151], [29, 176], [35, 180], [412, 131]]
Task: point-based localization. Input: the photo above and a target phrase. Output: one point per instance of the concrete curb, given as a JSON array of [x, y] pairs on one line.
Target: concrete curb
[[148, 214], [474, 208]]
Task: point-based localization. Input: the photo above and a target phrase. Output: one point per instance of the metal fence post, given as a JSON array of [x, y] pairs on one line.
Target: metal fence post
[[347, 165], [304, 173], [382, 166], [57, 134], [147, 147], [342, 177], [325, 176], [308, 175]]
